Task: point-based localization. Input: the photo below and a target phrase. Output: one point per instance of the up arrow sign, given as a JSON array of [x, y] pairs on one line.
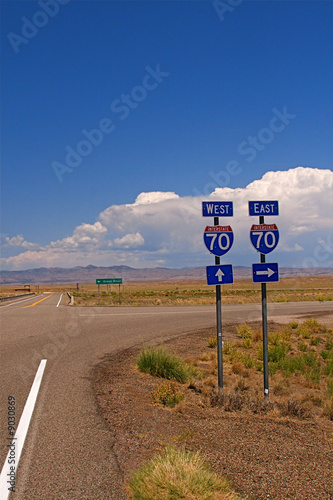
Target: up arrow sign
[[219, 274], [268, 272]]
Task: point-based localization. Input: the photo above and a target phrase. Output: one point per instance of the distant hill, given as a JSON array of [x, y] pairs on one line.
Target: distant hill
[[90, 273]]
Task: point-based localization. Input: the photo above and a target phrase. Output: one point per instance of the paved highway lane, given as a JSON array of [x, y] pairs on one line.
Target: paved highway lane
[[68, 451]]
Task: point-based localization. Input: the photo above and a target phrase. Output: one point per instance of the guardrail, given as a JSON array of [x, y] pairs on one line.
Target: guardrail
[[9, 297]]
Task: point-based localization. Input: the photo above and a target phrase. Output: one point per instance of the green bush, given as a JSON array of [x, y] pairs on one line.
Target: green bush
[[277, 352], [160, 363]]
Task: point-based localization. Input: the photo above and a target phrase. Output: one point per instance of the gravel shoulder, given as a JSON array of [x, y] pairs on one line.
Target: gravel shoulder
[[265, 456]]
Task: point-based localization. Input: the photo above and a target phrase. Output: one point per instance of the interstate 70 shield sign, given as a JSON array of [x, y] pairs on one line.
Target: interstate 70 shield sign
[[218, 239], [264, 237]]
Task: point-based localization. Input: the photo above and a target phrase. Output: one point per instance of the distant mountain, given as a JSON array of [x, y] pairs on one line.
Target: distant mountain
[[90, 273]]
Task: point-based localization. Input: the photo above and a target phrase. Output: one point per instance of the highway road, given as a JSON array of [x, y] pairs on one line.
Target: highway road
[[68, 452]]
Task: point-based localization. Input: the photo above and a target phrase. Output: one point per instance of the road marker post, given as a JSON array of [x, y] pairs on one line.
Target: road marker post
[[264, 238], [218, 240]]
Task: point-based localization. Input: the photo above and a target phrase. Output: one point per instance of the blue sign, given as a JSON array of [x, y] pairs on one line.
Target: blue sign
[[265, 273], [219, 275], [217, 209], [218, 239], [263, 208], [264, 237]]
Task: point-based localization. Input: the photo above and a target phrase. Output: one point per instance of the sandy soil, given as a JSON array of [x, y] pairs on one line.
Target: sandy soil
[[264, 455]]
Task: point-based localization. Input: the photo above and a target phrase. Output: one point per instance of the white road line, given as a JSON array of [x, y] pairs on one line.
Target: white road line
[[16, 443], [19, 301], [59, 300]]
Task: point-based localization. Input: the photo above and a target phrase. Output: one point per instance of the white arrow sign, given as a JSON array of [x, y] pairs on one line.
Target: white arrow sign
[[268, 271], [219, 274]]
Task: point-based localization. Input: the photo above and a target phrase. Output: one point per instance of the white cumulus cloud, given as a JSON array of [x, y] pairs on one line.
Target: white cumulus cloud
[[19, 242], [162, 227], [130, 240]]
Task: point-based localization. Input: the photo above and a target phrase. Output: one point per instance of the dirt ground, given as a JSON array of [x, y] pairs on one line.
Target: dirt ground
[[264, 455]]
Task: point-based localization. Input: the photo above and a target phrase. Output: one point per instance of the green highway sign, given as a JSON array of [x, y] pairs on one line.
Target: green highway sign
[[109, 281]]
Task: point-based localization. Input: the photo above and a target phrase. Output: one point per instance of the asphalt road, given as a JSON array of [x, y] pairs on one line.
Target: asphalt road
[[68, 451]]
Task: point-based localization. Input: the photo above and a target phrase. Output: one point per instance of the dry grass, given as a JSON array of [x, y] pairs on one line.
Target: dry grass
[[191, 292], [177, 474], [300, 372]]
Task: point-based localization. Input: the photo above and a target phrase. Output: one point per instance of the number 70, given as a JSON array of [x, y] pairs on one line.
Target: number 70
[[219, 240], [266, 235]]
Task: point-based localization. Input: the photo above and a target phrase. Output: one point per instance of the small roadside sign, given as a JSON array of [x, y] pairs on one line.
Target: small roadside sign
[[264, 237], [109, 281], [219, 275], [217, 209], [265, 272], [218, 239], [263, 208]]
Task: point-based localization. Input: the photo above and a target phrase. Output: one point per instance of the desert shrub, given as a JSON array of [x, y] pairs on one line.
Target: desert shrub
[[281, 388], [277, 352], [303, 347], [247, 343], [330, 387], [237, 367], [275, 338], [328, 370], [244, 331], [328, 410], [229, 402], [293, 324], [160, 363], [178, 474], [329, 345], [260, 352], [212, 342], [167, 394], [304, 332], [324, 297], [294, 408], [248, 361], [257, 335], [282, 298]]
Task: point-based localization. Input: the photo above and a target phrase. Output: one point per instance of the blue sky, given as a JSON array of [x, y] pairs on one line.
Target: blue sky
[[210, 118]]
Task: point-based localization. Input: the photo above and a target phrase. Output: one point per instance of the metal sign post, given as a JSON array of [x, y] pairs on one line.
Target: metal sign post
[[264, 322], [218, 240], [219, 324], [264, 238], [108, 282]]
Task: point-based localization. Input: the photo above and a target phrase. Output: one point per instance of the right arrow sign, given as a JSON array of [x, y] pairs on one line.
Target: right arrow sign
[[265, 272]]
